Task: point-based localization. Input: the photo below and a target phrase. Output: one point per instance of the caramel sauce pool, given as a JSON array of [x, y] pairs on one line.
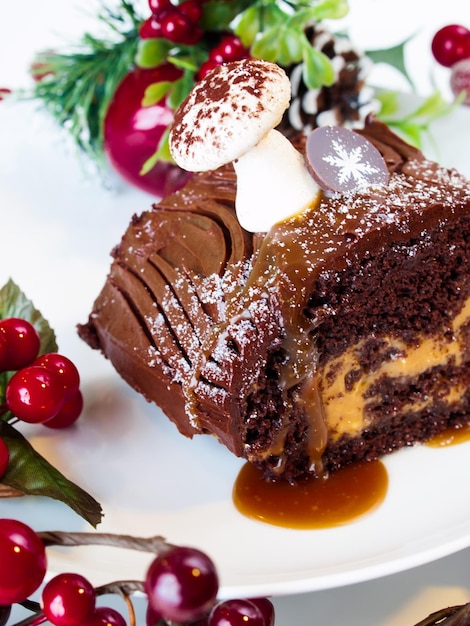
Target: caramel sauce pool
[[323, 503], [314, 502]]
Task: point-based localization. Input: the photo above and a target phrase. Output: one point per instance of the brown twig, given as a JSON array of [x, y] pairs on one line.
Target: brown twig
[[451, 616], [153, 544]]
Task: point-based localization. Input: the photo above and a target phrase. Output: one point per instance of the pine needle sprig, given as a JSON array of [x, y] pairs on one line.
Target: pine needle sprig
[[77, 86]]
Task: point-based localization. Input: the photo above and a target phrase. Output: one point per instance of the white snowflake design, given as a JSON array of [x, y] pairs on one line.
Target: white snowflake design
[[350, 165]]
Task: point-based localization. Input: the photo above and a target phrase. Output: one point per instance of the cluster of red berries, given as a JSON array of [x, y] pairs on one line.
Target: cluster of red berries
[[451, 48], [180, 24], [177, 23], [230, 48], [66, 600], [181, 584], [44, 389]]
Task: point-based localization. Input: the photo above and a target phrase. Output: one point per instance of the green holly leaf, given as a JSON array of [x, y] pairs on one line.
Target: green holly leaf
[[394, 56], [14, 303], [31, 474]]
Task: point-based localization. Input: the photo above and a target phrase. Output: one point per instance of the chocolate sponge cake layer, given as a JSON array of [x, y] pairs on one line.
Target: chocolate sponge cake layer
[[342, 334]]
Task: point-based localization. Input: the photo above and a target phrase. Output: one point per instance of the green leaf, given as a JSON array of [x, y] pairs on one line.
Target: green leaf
[[317, 70], [388, 103], [185, 62], [266, 46], [414, 124], [290, 47], [152, 52], [31, 474], [14, 303], [394, 56], [162, 153], [410, 130], [248, 26], [218, 15], [432, 107], [302, 17], [329, 9], [273, 17], [180, 90], [156, 92]]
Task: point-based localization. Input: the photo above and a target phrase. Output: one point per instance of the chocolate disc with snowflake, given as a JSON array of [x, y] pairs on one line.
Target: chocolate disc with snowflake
[[343, 161]]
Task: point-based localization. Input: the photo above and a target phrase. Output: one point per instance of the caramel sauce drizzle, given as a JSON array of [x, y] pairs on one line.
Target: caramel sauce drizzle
[[284, 267], [451, 436]]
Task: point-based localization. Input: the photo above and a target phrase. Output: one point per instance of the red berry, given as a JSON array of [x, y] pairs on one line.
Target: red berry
[[35, 394], [182, 584], [192, 9], [23, 562], [158, 6], [267, 609], [176, 27], [104, 616], [3, 348], [4, 457], [216, 55], [206, 67], [64, 368], [236, 613], [68, 600], [22, 343], [195, 34], [151, 28], [68, 414], [460, 79], [232, 48], [451, 44], [4, 92]]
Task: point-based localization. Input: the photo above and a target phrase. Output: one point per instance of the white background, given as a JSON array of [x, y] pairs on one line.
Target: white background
[[29, 26]]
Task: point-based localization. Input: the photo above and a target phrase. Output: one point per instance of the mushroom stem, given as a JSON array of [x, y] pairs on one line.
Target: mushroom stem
[[273, 183]]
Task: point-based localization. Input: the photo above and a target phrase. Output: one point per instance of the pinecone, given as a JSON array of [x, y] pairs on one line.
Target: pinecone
[[347, 102]]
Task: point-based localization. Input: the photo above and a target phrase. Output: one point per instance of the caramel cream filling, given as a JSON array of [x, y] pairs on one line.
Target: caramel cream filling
[[345, 409]]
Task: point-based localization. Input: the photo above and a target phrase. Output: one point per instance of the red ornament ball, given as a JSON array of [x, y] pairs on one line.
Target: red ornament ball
[[132, 132]]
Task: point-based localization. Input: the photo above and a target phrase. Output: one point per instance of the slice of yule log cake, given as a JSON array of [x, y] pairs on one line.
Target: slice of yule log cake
[[308, 306]]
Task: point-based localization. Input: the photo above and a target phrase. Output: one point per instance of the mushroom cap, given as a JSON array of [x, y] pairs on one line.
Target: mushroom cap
[[227, 113]]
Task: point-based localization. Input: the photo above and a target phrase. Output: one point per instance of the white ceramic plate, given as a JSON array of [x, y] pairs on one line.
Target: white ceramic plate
[[58, 225]]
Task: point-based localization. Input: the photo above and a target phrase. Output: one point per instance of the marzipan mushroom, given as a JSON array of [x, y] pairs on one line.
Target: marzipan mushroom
[[230, 116]]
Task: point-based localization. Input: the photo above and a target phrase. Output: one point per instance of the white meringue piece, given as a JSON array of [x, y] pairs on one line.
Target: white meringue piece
[[272, 183]]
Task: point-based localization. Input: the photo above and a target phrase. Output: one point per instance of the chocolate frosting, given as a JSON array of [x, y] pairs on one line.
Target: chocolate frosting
[[208, 321]]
